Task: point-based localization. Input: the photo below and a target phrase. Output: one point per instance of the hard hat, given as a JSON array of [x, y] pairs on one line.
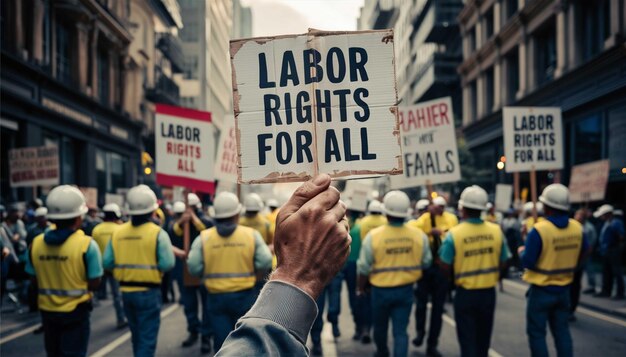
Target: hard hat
[[422, 204], [375, 207], [556, 196], [539, 208], [528, 207], [179, 207], [41, 212], [272, 203], [192, 199], [440, 201], [473, 197], [489, 205], [113, 208], [65, 202], [602, 210], [226, 205], [168, 206], [351, 206], [253, 202], [397, 204], [618, 212], [141, 200]]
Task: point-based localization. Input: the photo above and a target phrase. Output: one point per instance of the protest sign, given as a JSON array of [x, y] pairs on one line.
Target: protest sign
[[533, 138], [429, 147], [91, 196], [588, 181], [503, 197], [316, 102], [34, 166], [358, 191], [185, 148], [226, 162]]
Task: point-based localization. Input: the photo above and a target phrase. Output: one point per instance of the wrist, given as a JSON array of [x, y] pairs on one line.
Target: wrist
[[311, 288]]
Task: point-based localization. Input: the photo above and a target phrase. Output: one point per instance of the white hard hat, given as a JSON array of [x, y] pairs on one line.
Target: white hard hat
[[272, 202], [192, 199], [375, 207], [556, 196], [618, 212], [41, 212], [65, 202], [226, 205], [528, 207], [179, 207], [539, 208], [141, 200], [473, 197], [602, 210], [397, 204], [440, 201], [253, 202], [422, 204], [489, 205], [113, 208]]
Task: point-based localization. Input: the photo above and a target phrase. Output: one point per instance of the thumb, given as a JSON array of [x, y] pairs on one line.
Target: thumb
[[304, 193]]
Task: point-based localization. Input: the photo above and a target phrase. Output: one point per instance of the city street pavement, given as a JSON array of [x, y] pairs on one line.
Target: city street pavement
[[595, 333]]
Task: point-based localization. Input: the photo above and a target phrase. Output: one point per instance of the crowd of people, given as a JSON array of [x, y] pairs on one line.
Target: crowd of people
[[66, 257]]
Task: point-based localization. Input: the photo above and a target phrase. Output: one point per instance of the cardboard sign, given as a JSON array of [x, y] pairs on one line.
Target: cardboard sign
[[34, 166], [504, 194], [185, 148], [226, 162], [91, 196], [533, 138], [588, 181], [316, 102], [429, 147]]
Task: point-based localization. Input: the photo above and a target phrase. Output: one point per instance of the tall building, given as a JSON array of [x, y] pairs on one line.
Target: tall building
[[206, 83], [63, 83], [568, 54], [242, 20]]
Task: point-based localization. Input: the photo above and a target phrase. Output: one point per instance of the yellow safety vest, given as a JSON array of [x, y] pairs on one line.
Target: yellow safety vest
[[443, 222], [260, 224], [477, 250], [530, 222], [102, 234], [135, 251], [370, 222], [61, 272], [272, 216], [560, 250], [397, 255], [228, 261]]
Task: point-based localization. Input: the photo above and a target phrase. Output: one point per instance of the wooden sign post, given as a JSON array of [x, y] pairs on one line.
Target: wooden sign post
[[188, 279], [533, 191]]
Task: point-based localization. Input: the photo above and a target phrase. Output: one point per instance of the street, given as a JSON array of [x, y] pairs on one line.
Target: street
[[594, 333]]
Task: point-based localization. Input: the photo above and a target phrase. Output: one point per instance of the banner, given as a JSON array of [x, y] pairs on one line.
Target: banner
[[226, 162], [34, 166], [316, 102], [588, 181], [533, 138], [185, 148], [429, 149], [504, 196]]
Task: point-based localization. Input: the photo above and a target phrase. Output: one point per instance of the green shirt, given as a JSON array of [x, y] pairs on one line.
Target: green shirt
[[355, 247]]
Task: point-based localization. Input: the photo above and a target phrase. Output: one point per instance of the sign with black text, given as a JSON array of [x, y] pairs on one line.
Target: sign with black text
[[34, 166], [185, 148], [429, 150], [533, 138], [226, 162], [588, 181], [316, 102]]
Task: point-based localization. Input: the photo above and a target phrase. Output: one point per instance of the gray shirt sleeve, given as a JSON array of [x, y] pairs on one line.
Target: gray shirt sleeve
[[277, 325]]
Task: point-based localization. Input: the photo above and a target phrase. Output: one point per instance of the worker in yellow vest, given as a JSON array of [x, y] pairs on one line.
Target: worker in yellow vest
[[102, 234], [138, 253], [253, 205], [227, 257], [552, 252], [529, 221], [434, 285], [274, 208], [66, 265], [373, 219], [392, 259], [421, 207], [476, 249]]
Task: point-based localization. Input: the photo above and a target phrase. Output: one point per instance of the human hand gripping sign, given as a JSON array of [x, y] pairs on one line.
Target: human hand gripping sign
[[312, 240]]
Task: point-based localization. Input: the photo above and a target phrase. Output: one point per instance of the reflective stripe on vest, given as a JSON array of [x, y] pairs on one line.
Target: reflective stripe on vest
[[477, 251], [58, 292], [397, 253], [228, 261], [136, 266], [560, 250]]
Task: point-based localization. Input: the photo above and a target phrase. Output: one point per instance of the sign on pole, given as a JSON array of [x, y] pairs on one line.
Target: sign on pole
[[320, 102], [429, 147], [533, 138], [503, 197], [185, 148], [34, 166], [226, 162], [588, 181]]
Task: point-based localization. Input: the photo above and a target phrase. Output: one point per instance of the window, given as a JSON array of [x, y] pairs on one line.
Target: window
[[488, 24], [189, 32], [191, 67], [512, 76], [46, 41], [597, 21], [111, 171], [68, 160], [473, 102], [489, 92], [63, 70], [471, 41], [587, 135], [510, 8], [546, 53], [103, 76]]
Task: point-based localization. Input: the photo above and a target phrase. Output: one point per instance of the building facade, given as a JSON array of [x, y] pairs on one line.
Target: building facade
[[569, 54]]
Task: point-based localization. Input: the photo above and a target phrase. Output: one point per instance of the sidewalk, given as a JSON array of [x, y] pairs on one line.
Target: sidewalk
[[604, 305]]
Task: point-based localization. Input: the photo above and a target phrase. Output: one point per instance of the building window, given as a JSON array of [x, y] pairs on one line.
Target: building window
[[189, 32], [596, 26], [103, 76], [546, 53], [46, 41], [512, 76], [587, 135], [191, 67], [111, 171], [510, 8], [489, 91], [473, 102], [488, 24], [63, 70]]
